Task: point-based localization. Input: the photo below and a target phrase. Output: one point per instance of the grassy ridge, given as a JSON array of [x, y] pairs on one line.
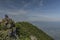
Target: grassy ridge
[[26, 29]]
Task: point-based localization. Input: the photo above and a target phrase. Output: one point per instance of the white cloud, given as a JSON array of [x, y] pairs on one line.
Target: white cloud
[[17, 11], [24, 15], [14, 12], [41, 3], [38, 17]]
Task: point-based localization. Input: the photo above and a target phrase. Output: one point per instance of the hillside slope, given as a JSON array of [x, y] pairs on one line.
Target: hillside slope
[[30, 32]]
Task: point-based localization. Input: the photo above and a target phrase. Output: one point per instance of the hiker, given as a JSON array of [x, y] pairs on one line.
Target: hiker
[[9, 24], [6, 21]]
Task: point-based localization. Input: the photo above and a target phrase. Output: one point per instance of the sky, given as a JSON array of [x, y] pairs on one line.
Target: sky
[[31, 10]]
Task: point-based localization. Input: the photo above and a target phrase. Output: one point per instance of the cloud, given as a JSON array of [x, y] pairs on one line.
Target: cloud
[[22, 3], [24, 15], [22, 8], [41, 2], [14, 12], [39, 17]]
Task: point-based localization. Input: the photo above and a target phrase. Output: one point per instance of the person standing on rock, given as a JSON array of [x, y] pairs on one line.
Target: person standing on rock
[[9, 25], [7, 21]]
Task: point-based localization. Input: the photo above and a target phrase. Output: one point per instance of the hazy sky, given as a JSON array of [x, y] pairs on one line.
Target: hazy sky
[[31, 10]]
